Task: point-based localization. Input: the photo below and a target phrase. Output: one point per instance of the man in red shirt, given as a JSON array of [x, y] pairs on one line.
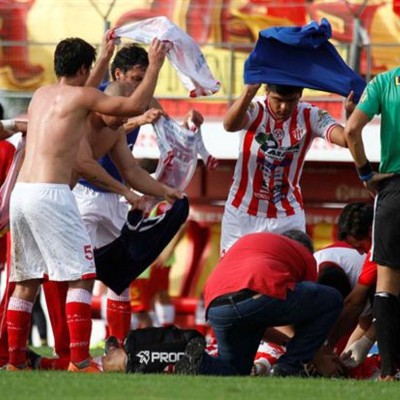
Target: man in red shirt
[[264, 280]]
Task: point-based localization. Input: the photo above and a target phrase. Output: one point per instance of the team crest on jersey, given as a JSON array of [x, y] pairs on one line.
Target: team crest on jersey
[[297, 133], [278, 133]]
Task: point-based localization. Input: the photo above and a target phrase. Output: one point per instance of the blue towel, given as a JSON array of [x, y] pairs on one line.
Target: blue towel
[[301, 56]]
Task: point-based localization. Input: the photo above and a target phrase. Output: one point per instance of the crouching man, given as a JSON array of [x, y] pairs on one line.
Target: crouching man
[[264, 280]]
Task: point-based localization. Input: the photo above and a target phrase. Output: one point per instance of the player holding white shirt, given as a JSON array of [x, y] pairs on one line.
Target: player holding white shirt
[[276, 134]]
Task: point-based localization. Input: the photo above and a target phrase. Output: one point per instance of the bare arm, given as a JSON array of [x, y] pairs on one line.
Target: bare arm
[[138, 102], [236, 118], [148, 117], [99, 70], [136, 177], [337, 136], [93, 172], [353, 306], [337, 133], [11, 126], [353, 137]]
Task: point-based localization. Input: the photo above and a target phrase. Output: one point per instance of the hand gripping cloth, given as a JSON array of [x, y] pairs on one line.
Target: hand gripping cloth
[[304, 57], [185, 55]]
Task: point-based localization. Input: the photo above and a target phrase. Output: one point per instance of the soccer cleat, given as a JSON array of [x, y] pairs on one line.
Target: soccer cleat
[[110, 344], [189, 363], [10, 367], [89, 367]]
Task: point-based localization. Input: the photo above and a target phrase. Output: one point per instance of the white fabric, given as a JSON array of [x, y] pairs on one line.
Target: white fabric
[[236, 223], [8, 184], [9, 125], [165, 313], [185, 55], [267, 174], [49, 237], [349, 259], [103, 214], [179, 148], [124, 296], [17, 304], [77, 295]]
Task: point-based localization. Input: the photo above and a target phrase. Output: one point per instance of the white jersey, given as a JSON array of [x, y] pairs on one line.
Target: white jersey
[[343, 255], [271, 158]]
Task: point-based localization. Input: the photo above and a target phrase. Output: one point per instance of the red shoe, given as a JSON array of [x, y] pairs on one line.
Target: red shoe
[[92, 367]]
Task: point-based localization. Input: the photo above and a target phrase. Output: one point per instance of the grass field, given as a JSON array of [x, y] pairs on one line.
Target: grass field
[[38, 385], [114, 386]]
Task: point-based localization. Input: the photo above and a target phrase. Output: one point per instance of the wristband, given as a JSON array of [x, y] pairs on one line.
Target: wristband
[[9, 125], [365, 172]]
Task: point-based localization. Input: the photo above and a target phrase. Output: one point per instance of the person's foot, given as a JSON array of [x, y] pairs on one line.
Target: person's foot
[[88, 366], [11, 367], [189, 363], [111, 344]]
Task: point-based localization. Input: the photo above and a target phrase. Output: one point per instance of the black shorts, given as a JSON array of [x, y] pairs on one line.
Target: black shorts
[[386, 229]]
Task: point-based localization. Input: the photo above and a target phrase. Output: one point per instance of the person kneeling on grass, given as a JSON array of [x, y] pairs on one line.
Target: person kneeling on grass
[[264, 280]]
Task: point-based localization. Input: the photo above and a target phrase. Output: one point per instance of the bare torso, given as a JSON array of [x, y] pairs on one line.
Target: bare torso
[[57, 123], [101, 137]]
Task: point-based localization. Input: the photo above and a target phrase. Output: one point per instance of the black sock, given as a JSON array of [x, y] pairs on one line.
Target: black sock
[[386, 311]]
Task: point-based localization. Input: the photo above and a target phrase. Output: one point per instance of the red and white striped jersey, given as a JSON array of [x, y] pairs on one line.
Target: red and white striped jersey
[[271, 158]]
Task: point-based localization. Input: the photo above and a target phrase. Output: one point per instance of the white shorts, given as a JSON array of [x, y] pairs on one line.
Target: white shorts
[[48, 236], [236, 223], [103, 214]]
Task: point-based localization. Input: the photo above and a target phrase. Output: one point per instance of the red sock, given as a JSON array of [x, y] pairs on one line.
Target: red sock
[[18, 324], [79, 321], [54, 364], [3, 323], [118, 315], [56, 294]]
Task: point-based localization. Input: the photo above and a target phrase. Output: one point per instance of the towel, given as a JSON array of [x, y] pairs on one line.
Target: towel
[[185, 55], [140, 243], [304, 57]]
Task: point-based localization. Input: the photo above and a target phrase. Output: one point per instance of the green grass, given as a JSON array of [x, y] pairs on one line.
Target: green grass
[[38, 385], [114, 386]]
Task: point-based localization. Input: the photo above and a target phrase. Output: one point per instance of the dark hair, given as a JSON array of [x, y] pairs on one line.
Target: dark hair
[[355, 220], [72, 54], [1, 111], [128, 57], [301, 237], [334, 276], [284, 90]]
